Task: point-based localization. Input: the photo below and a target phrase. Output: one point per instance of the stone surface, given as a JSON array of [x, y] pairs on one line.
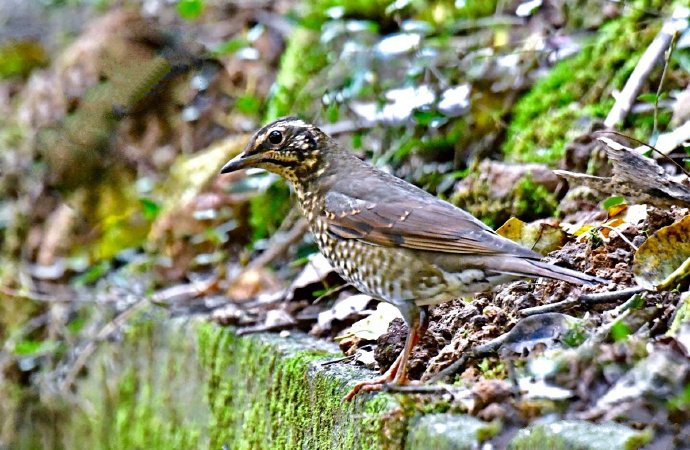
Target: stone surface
[[580, 435], [188, 383], [449, 432]]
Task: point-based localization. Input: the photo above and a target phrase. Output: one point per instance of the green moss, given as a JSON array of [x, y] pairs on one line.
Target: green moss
[[272, 395], [533, 200], [579, 89], [304, 57], [528, 201]]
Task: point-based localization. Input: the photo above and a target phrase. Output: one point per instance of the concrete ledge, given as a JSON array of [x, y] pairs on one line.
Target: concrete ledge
[[192, 384]]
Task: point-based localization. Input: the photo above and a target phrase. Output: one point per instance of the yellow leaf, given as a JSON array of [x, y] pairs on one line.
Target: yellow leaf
[[540, 237], [664, 259], [617, 209]]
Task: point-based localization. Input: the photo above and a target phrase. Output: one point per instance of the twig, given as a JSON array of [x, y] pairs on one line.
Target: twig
[[586, 299], [622, 236], [91, 346], [475, 352], [279, 244], [605, 297], [330, 292], [422, 388], [166, 297], [36, 297], [667, 59], [647, 61], [338, 360]]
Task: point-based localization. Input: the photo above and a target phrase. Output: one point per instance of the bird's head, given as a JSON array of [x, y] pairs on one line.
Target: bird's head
[[288, 147]]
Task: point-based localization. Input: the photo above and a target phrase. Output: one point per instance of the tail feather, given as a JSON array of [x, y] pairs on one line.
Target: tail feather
[[535, 268]]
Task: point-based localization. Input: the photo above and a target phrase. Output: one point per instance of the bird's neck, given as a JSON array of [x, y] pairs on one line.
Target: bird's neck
[[309, 187]]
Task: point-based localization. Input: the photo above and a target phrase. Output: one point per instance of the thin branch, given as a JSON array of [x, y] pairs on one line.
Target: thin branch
[[585, 299], [36, 296], [102, 335], [667, 59], [644, 67], [622, 236], [280, 243]]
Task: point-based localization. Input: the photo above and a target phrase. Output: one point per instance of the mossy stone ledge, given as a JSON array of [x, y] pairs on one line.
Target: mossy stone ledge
[[191, 384]]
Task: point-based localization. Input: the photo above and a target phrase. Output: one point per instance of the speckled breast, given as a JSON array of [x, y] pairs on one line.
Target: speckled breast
[[386, 273]]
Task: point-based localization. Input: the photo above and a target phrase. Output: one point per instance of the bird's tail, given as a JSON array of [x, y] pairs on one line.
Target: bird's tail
[[535, 268]]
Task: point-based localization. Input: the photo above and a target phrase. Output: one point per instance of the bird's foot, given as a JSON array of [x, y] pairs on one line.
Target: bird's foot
[[374, 384], [394, 376]]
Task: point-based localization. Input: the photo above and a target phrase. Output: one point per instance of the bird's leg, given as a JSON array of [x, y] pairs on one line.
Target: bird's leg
[[396, 373]]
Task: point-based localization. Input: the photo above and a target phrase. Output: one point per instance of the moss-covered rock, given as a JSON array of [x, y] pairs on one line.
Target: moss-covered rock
[[182, 384], [580, 435], [496, 191], [268, 392], [450, 432]]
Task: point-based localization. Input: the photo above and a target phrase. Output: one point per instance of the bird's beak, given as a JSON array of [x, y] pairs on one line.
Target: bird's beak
[[241, 161]]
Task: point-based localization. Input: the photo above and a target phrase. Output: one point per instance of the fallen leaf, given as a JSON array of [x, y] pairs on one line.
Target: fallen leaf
[[664, 259], [249, 284], [638, 178], [541, 237], [315, 271], [344, 308], [373, 326]]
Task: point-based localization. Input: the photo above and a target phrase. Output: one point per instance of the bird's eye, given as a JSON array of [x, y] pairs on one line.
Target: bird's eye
[[275, 137]]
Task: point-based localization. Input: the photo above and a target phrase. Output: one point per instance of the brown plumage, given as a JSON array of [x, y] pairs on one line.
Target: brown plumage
[[386, 237]]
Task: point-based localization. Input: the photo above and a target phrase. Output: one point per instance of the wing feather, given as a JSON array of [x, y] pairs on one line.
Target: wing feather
[[413, 219]]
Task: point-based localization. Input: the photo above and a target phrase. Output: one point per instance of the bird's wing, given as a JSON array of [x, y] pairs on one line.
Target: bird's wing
[[413, 219]]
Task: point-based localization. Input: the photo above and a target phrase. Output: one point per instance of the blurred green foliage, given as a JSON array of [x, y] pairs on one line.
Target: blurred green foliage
[[19, 58], [190, 9], [268, 209]]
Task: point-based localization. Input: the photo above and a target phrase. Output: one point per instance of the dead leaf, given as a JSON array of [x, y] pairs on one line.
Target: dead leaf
[[344, 308], [250, 283], [615, 210], [373, 326], [541, 237], [664, 259], [315, 271]]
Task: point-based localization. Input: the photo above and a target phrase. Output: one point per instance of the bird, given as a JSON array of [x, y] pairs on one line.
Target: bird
[[386, 237]]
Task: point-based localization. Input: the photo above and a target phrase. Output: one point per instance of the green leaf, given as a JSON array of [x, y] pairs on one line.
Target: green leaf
[[230, 46], [149, 208], [92, 274], [682, 400], [247, 104], [29, 347], [613, 201], [190, 9], [647, 97], [332, 113], [357, 141], [620, 331]]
